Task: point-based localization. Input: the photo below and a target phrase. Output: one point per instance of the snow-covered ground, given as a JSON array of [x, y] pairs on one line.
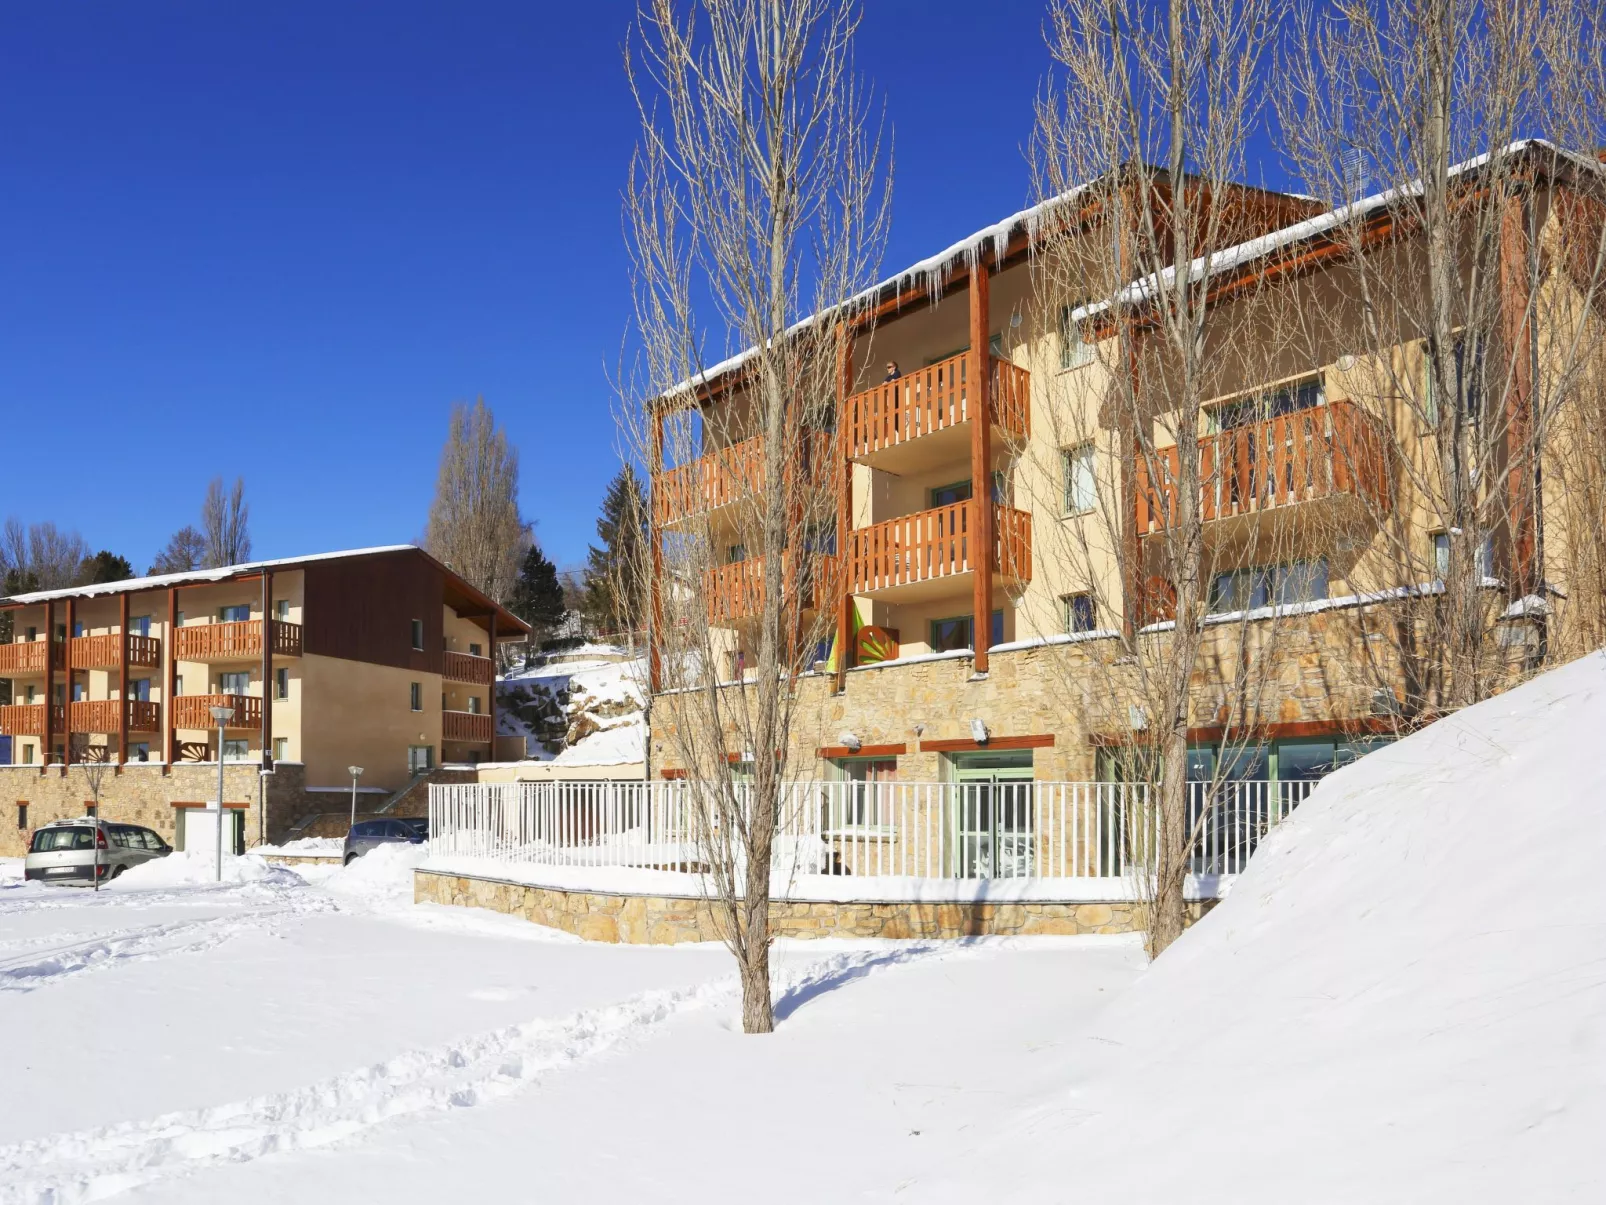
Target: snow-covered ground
[[590, 703], [1402, 1000]]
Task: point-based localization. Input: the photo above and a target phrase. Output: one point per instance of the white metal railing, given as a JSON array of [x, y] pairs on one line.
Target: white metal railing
[[963, 831]]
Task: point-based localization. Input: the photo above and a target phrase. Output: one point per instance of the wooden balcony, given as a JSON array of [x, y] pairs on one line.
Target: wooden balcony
[[195, 711], [729, 475], [932, 405], [736, 591], [26, 657], [111, 650], [917, 556], [28, 719], [100, 715], [465, 667], [1330, 451], [238, 641], [466, 726]]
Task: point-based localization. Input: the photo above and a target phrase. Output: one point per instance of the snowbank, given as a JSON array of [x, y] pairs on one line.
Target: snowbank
[[197, 867], [381, 878], [305, 847], [1401, 1000]]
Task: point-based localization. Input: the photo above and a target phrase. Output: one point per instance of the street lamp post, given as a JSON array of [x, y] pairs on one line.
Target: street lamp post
[[356, 773], [221, 715]]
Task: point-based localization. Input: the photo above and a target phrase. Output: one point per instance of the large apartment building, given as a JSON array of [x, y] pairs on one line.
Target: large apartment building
[[989, 644], [381, 658]]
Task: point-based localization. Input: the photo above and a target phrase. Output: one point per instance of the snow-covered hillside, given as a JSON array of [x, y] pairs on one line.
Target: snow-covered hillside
[[585, 710], [1403, 999]]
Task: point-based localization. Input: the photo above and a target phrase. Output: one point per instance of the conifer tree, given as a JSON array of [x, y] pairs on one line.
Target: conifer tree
[[614, 594], [538, 597]]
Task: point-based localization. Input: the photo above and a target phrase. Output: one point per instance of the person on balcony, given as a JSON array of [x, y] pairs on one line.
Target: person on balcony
[[893, 372]]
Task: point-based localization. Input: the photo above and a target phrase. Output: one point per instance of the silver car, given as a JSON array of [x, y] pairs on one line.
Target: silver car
[[370, 834], [65, 851]]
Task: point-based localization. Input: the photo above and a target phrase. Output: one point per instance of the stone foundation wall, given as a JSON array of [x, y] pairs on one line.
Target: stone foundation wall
[[669, 920], [143, 794]]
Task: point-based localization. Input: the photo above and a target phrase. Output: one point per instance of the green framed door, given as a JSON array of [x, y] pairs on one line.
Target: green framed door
[[993, 823]]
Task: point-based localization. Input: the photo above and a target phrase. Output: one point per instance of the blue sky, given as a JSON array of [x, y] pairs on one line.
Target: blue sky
[[279, 240]]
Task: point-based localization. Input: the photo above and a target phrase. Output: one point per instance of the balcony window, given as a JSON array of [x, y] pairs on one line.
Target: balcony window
[[140, 625], [281, 610], [1261, 586], [1273, 403], [418, 635], [860, 804], [233, 683], [1468, 370], [79, 692], [33, 634], [735, 554], [139, 690], [138, 751], [415, 695], [281, 748], [236, 750], [178, 685], [1081, 487], [473, 650], [474, 705], [420, 758], [239, 614], [960, 491], [1079, 612], [281, 683], [1073, 351]]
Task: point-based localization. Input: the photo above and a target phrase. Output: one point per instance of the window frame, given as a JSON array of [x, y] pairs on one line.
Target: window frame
[[417, 635], [415, 696], [1069, 469], [1068, 603], [1075, 352]]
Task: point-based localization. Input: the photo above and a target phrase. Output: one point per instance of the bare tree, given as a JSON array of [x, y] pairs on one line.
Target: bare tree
[[756, 210], [474, 521], [41, 554], [1140, 138], [186, 550], [224, 520], [1469, 265]]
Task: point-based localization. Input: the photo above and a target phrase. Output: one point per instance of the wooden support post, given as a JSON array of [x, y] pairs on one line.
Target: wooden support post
[[122, 681], [66, 693], [844, 512], [1516, 345], [50, 685], [979, 402], [496, 661], [170, 685], [655, 609], [267, 670]]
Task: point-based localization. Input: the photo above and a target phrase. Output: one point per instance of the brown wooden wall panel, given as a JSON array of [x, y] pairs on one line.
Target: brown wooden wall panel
[[362, 609]]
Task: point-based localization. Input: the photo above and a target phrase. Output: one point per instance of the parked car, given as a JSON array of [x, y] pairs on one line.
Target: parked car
[[371, 833], [65, 851]]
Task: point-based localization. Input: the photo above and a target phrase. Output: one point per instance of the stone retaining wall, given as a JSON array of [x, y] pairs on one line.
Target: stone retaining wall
[[669, 920]]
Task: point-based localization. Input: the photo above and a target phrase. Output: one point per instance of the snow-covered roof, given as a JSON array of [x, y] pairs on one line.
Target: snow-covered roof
[[193, 576]]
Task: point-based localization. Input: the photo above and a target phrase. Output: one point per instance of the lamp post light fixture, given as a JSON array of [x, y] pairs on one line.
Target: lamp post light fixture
[[356, 773], [222, 715]]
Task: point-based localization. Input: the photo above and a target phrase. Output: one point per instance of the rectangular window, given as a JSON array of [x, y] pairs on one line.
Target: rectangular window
[[951, 635], [140, 625], [1273, 403], [281, 748], [474, 705], [1081, 487], [27, 755], [1262, 586], [61, 631], [420, 758], [1079, 612], [281, 610], [178, 619], [178, 684], [92, 810], [281, 683], [236, 750], [79, 692], [233, 683], [77, 628], [862, 803], [473, 650], [238, 614], [418, 635], [1483, 564], [139, 690], [33, 634], [138, 751], [415, 696], [735, 554], [1073, 351], [22, 815], [1469, 372]]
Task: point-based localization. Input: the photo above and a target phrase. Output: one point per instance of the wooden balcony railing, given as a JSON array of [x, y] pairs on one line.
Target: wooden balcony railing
[[933, 398], [731, 474], [736, 591], [1326, 451], [107, 652], [195, 711], [237, 641], [465, 667], [100, 715], [933, 544], [28, 657], [466, 726], [28, 719]]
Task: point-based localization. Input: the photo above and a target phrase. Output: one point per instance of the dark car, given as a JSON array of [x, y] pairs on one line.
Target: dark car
[[370, 833]]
